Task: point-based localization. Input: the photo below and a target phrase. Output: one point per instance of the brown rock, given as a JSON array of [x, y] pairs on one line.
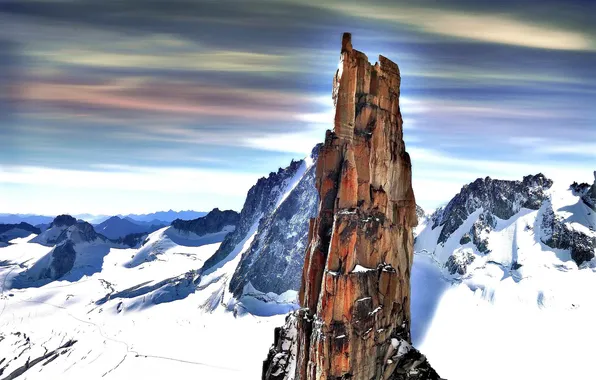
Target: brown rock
[[355, 289]]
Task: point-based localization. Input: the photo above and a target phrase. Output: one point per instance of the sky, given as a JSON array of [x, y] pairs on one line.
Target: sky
[[113, 107]]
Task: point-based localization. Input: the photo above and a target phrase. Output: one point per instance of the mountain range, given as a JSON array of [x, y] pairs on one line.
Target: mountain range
[[163, 217], [495, 271]]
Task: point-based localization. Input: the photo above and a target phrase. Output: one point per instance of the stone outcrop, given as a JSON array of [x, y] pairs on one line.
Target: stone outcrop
[[274, 261], [559, 234], [261, 200], [500, 198], [213, 222], [355, 291], [63, 221], [586, 192]]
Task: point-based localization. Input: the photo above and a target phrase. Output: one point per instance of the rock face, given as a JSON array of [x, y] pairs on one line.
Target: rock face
[[355, 292], [274, 261], [66, 227], [261, 201], [135, 240], [213, 222], [558, 234], [586, 192], [63, 221], [499, 198]]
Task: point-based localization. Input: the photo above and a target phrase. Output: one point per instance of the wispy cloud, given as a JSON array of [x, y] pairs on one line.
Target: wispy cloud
[[222, 61], [491, 28], [124, 94], [540, 145], [172, 99], [126, 177]]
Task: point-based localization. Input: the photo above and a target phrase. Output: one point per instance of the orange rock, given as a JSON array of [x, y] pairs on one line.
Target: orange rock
[[356, 279]]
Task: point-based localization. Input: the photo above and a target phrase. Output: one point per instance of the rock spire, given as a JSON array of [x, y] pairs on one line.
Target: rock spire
[[355, 292]]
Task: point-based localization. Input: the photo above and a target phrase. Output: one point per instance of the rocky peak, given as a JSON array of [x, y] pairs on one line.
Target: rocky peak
[[213, 222], [21, 226], [63, 221], [586, 192], [420, 213], [279, 245], [355, 291], [500, 198], [82, 232], [260, 202]]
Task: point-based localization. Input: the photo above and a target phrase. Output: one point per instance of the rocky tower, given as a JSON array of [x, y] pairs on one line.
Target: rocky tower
[[355, 290]]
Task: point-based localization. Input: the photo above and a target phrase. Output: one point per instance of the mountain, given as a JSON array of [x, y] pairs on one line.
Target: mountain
[[153, 222], [262, 199], [14, 231], [273, 263], [499, 266], [76, 297], [54, 233], [257, 267], [92, 218], [115, 296], [116, 227], [466, 230], [25, 218], [214, 221], [165, 216], [78, 250]]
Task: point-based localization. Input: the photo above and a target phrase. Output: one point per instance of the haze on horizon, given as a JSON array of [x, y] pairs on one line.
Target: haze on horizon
[[135, 107]]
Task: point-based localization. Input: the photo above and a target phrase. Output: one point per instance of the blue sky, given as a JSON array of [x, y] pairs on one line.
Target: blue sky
[[134, 106]]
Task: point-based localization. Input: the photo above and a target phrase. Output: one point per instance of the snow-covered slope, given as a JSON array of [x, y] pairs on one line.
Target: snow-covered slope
[[154, 311], [502, 283], [258, 266], [132, 318], [9, 232]]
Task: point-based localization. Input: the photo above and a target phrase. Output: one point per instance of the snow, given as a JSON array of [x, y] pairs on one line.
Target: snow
[[134, 335], [51, 234], [293, 182], [531, 322], [150, 312], [359, 269]]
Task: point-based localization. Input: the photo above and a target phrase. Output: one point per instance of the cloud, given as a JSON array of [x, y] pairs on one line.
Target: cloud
[[543, 146], [300, 143], [491, 28], [171, 98], [224, 61], [170, 180]]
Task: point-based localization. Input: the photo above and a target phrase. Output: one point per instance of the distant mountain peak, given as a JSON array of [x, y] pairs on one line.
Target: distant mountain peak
[[501, 198], [63, 220]]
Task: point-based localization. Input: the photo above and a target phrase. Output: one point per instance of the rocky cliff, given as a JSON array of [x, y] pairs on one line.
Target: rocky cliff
[[489, 219], [213, 222], [261, 200], [496, 198], [355, 292], [274, 261]]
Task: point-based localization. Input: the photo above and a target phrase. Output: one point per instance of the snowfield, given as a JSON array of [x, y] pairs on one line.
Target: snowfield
[[154, 327]]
